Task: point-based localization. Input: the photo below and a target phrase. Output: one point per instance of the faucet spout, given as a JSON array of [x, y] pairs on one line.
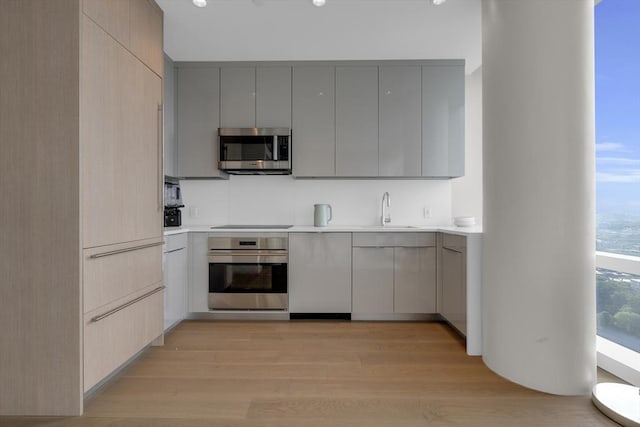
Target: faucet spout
[[385, 217]]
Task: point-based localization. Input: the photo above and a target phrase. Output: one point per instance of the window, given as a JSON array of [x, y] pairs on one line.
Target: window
[[617, 34]]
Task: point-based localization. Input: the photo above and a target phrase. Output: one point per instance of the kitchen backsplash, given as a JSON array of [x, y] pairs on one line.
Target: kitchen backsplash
[[285, 200]]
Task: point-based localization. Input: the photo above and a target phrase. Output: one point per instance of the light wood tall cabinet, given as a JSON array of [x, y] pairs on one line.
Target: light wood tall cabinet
[[80, 125]]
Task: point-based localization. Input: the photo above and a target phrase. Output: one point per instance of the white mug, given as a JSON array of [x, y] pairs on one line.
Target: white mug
[[322, 215]]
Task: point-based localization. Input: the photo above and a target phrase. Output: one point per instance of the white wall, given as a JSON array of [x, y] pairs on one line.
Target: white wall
[[467, 191], [285, 200]]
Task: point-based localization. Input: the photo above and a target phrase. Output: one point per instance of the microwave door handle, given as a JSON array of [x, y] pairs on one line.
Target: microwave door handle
[[275, 147]]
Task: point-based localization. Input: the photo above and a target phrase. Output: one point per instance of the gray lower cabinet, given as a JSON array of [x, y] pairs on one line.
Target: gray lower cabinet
[[320, 272], [357, 121], [198, 122], [400, 126], [313, 121], [443, 121], [454, 281], [394, 273], [176, 278], [198, 273]]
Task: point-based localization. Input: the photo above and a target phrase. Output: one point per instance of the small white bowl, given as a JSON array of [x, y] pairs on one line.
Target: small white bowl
[[464, 221]]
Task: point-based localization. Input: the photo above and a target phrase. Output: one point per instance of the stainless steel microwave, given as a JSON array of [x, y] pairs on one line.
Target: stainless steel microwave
[[255, 150]]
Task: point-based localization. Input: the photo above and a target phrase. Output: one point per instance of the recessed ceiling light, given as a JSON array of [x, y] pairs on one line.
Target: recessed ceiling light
[[318, 3], [437, 2], [199, 3]]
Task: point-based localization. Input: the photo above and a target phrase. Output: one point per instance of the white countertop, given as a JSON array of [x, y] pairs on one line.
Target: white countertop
[[462, 231]]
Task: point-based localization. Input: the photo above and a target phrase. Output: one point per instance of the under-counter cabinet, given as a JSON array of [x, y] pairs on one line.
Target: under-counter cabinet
[[313, 121], [86, 271], [176, 277], [394, 273], [320, 273], [198, 95], [198, 273], [453, 305]]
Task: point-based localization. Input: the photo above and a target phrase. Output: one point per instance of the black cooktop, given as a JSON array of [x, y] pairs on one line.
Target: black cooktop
[[244, 226]]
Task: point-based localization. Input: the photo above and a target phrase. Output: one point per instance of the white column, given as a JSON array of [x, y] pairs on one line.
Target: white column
[[539, 241]]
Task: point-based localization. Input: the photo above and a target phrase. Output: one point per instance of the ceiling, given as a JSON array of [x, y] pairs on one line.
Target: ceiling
[[270, 30]]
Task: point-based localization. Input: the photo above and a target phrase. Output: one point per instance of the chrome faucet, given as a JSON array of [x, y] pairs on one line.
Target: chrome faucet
[[385, 218]]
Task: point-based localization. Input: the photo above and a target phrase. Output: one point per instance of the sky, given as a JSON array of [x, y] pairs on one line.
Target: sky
[[617, 55]]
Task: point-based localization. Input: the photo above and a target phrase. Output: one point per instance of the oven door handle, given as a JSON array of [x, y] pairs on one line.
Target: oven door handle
[[242, 258]]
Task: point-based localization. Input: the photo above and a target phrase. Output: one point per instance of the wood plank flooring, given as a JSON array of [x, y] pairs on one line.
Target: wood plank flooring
[[312, 373]]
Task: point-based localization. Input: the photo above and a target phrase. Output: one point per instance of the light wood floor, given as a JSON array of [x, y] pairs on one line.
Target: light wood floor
[[303, 374]]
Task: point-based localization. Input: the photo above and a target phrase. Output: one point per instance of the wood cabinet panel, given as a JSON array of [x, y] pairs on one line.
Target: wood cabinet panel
[[169, 134], [313, 119], [357, 121], [121, 156], [237, 97], [400, 121], [372, 280], [108, 278], [147, 34], [273, 97], [110, 342], [198, 122], [414, 280], [112, 16]]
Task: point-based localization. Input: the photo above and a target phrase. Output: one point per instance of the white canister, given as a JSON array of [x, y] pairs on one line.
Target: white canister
[[322, 215]]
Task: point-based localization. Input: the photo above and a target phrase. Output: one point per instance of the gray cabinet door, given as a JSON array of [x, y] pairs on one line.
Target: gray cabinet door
[[169, 119], [176, 275], [454, 293], [313, 119], [400, 121], [198, 273], [443, 121], [320, 272], [414, 280], [198, 122], [273, 97], [237, 97], [357, 121], [373, 280]]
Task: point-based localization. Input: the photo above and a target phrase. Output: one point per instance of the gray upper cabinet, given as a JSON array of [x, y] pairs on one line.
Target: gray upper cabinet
[[400, 121], [273, 97], [443, 121], [169, 119], [198, 122], [357, 121], [237, 97], [313, 119]]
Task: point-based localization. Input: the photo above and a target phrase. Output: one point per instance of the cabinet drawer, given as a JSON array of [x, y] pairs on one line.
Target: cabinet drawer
[[175, 241], [394, 239], [111, 341], [116, 271], [454, 241]]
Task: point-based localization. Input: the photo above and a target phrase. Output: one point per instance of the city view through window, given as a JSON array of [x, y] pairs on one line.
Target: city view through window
[[617, 34]]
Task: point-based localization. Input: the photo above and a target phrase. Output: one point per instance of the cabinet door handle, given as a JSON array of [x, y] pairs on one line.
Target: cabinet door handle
[[174, 250], [160, 156], [120, 251], [126, 304]]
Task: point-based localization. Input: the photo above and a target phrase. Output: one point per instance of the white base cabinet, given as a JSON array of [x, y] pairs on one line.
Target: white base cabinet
[[320, 272], [176, 276]]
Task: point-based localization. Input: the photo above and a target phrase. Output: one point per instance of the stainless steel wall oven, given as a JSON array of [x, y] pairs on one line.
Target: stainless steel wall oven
[[248, 273]]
